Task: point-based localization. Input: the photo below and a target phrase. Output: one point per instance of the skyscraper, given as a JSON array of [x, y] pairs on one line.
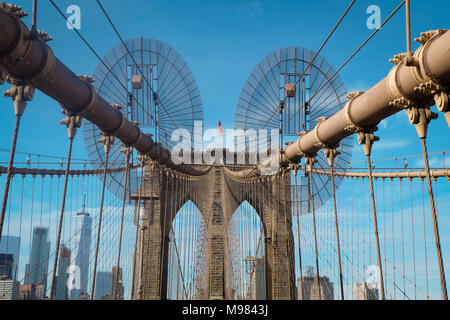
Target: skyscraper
[[259, 282], [6, 266], [11, 245], [80, 253], [363, 291], [61, 280], [311, 286], [37, 268], [117, 287], [103, 285], [9, 290]]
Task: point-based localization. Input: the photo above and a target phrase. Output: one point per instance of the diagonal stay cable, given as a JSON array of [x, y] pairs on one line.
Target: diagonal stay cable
[[313, 59], [96, 54], [134, 61], [351, 57]]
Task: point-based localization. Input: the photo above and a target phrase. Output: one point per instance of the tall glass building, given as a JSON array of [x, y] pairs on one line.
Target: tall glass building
[[11, 245], [80, 254], [103, 286], [61, 280], [37, 268]]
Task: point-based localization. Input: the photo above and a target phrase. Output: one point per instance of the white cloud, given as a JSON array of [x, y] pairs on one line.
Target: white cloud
[[390, 144], [253, 8]]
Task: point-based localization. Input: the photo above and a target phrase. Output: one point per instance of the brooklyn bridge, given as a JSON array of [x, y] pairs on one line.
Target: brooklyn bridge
[[274, 209]]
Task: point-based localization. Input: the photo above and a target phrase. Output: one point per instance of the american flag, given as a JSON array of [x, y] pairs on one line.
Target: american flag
[[220, 129]]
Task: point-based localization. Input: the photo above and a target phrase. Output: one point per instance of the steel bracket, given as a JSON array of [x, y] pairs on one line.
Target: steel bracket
[[330, 153], [438, 94], [367, 139], [20, 92], [107, 141], [72, 122], [421, 117]]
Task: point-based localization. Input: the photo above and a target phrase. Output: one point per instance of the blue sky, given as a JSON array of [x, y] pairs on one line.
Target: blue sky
[[222, 41]]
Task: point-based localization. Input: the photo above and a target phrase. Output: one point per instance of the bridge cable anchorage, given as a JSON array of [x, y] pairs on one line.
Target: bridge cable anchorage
[[366, 138], [310, 161], [421, 118], [20, 92], [331, 153], [107, 141], [127, 151], [72, 122]]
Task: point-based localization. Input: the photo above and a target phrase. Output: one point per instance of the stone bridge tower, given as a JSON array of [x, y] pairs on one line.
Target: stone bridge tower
[[217, 195]]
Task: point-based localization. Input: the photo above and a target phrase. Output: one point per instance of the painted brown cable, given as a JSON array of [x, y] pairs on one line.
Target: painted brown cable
[[298, 233], [127, 150], [435, 221], [9, 172], [99, 227], [310, 162], [375, 223], [331, 156], [61, 218]]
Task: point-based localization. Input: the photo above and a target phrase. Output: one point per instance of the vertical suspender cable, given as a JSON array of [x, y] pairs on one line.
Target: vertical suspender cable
[[72, 122], [136, 223], [298, 233], [435, 221], [61, 218], [425, 236], [375, 224], [127, 150], [330, 153], [9, 173], [20, 93], [310, 162], [107, 141]]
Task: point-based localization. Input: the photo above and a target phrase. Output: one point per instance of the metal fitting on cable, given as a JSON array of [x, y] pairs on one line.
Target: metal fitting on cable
[[310, 161], [72, 122], [421, 118], [107, 140], [367, 138], [20, 92], [330, 153], [432, 91], [127, 151], [144, 158], [440, 95]]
